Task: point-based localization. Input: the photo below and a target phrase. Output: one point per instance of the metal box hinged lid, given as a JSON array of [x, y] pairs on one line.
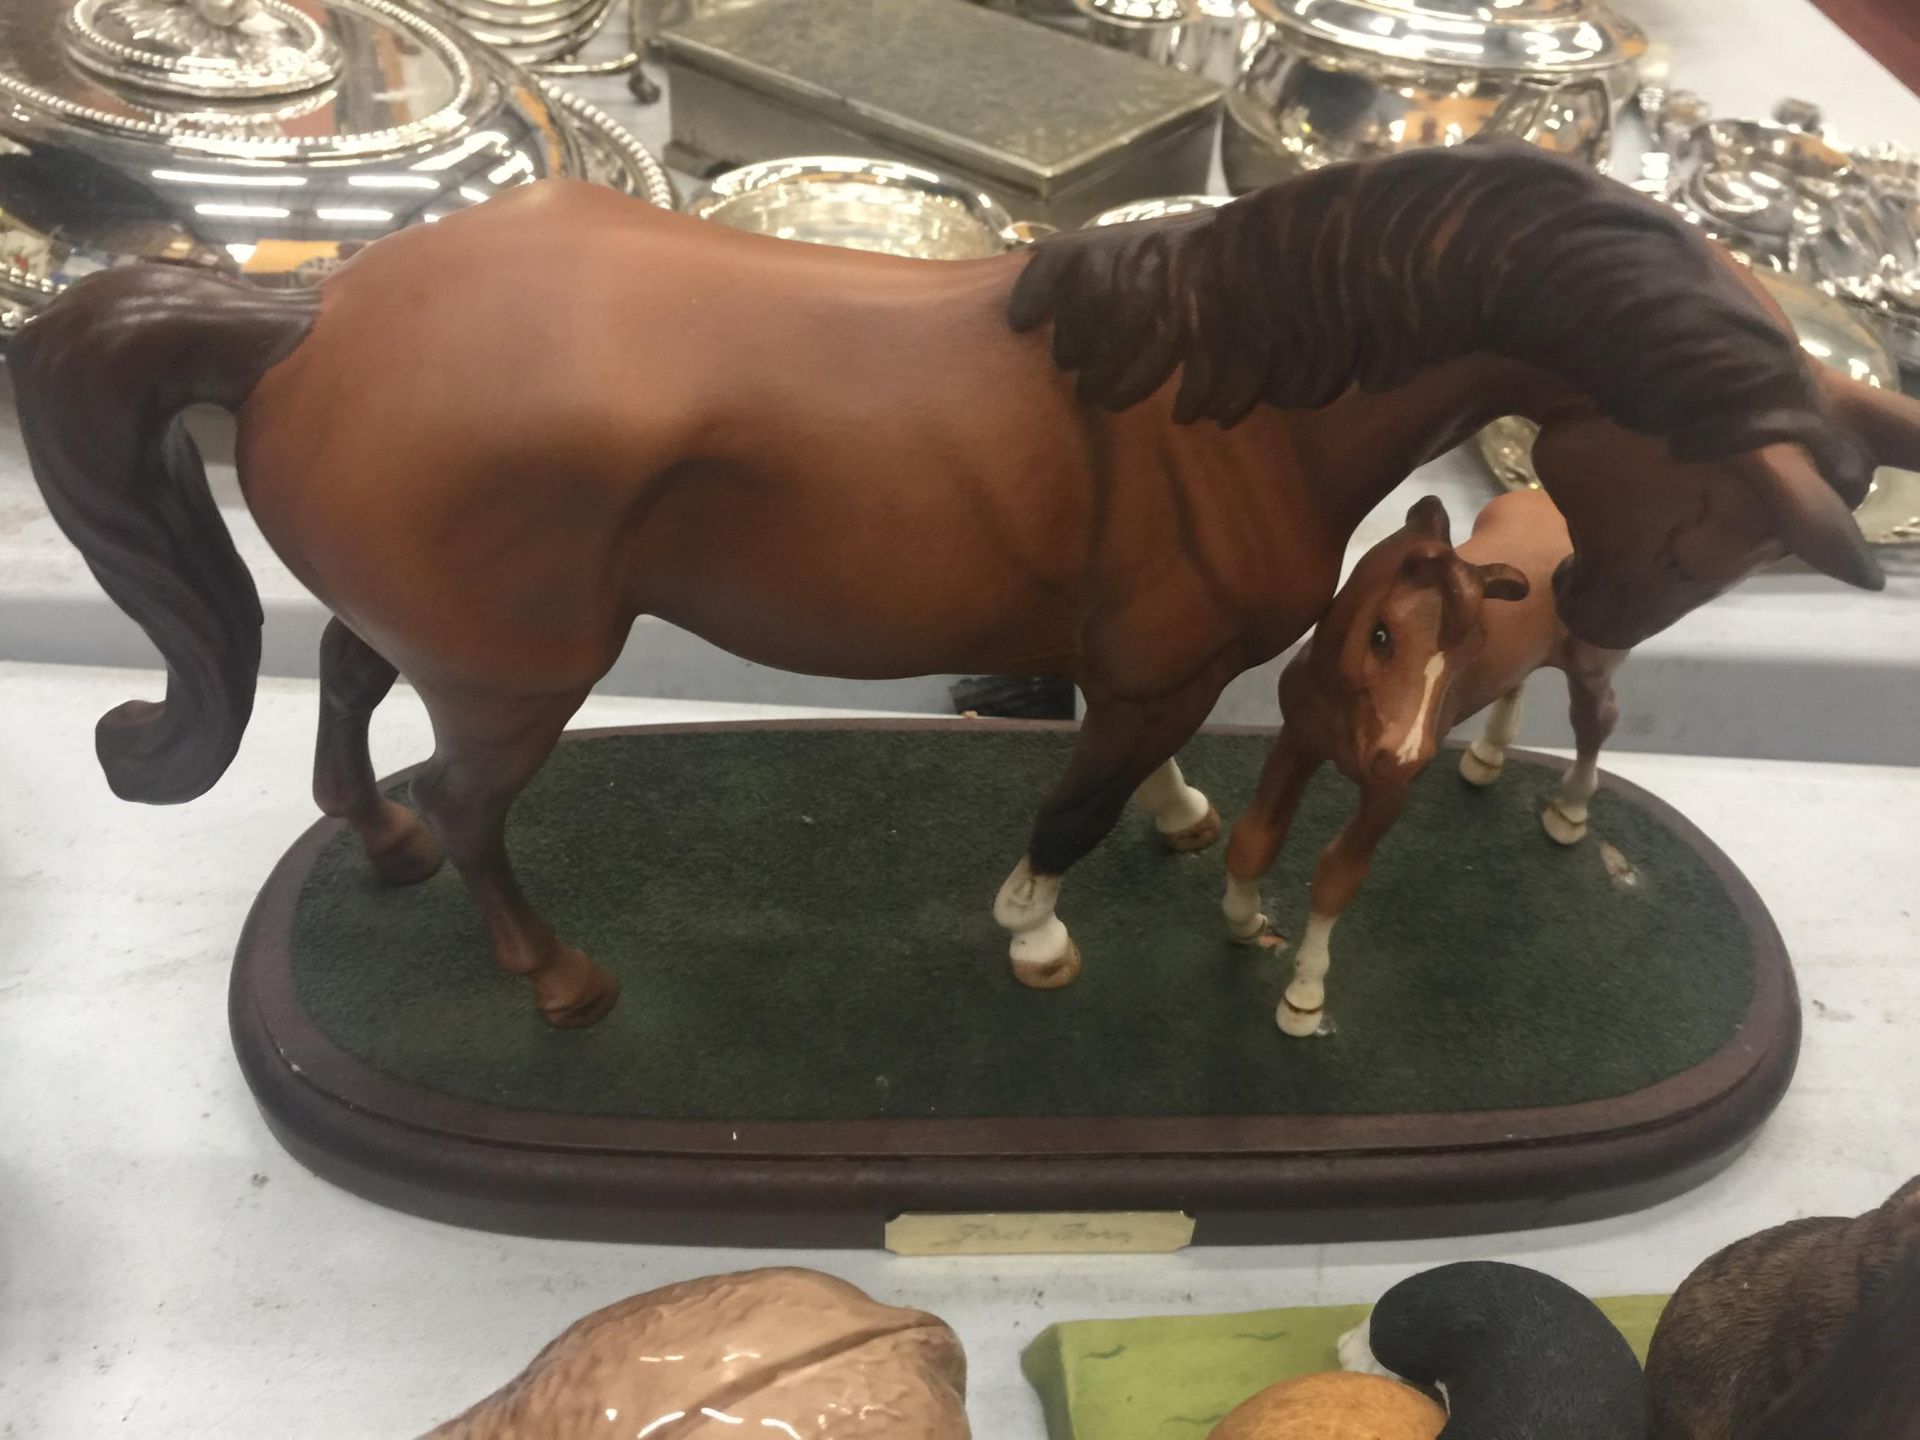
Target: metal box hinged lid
[[1039, 118]]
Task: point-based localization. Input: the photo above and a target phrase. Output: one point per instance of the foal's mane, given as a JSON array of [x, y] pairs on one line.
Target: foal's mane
[[1364, 274]]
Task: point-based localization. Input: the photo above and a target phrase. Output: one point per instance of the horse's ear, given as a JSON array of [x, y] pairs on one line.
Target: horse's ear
[[1814, 522], [1427, 562], [1885, 421], [1434, 563], [1502, 582], [1429, 517]]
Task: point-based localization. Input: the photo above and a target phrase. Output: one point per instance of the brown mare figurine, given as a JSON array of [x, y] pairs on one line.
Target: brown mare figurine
[[1421, 637], [863, 466]]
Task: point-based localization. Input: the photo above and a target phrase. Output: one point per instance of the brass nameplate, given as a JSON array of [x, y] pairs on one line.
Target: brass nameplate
[[1142, 1233]]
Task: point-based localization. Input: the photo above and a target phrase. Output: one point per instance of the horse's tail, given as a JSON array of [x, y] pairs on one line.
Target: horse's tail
[[102, 378]]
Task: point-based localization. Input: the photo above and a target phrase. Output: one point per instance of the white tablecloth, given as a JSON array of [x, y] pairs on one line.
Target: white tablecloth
[[167, 1271]]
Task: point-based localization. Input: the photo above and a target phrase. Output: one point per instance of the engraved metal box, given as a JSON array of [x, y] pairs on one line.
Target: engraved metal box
[[1053, 128]]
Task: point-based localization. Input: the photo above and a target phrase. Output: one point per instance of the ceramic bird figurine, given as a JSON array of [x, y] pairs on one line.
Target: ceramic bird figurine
[[1336, 1406], [1809, 1331], [1518, 1355], [1421, 636], [776, 1354]]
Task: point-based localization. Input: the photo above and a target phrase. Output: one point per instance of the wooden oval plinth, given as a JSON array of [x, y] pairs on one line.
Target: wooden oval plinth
[[818, 1033]]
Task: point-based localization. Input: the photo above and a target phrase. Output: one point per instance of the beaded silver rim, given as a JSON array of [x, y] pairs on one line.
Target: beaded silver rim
[[311, 56], [653, 183], [450, 119]]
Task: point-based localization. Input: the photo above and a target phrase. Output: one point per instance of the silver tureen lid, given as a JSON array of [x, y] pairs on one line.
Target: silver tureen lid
[[214, 49], [1548, 36], [260, 137]]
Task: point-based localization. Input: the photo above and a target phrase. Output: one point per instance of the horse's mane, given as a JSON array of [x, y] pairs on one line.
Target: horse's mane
[[1364, 274]]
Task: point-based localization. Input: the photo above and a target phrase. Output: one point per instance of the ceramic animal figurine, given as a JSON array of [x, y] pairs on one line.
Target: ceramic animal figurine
[[1808, 1330], [1129, 456], [1420, 637], [1336, 1406], [1516, 1354], [779, 1354]]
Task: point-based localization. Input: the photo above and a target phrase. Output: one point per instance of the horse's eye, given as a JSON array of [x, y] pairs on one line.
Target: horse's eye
[[1381, 639]]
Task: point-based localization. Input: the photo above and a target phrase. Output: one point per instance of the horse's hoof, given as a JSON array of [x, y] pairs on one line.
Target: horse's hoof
[[1054, 973], [1301, 1024], [1195, 837], [574, 993], [406, 854], [1475, 769], [1251, 932], [1561, 827]]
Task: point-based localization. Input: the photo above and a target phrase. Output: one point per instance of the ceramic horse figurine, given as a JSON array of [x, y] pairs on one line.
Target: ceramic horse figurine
[[1130, 456], [1421, 637]]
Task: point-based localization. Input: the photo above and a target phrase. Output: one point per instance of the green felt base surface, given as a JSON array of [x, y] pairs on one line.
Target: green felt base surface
[[1176, 1379], [801, 923]]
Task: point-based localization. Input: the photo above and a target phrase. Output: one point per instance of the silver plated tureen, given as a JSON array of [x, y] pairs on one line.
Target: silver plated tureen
[[261, 138], [1334, 80]]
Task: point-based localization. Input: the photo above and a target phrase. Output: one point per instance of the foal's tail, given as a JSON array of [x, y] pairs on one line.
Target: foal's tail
[[102, 379]]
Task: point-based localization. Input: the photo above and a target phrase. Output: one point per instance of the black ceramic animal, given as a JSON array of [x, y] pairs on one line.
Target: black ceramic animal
[[1808, 1331], [1516, 1354]]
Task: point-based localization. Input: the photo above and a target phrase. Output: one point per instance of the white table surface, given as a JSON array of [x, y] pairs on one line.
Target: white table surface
[[1790, 666], [167, 1271]]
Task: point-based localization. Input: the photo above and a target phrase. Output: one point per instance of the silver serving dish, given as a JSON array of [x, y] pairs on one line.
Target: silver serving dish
[[1158, 209], [261, 138], [1847, 222], [1336, 80], [860, 204], [1835, 335]]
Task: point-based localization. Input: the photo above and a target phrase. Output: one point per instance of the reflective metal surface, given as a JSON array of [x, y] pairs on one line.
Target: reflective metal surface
[[1337, 80], [860, 204], [1784, 197], [1202, 37], [1835, 335], [222, 163], [218, 49], [532, 31], [1158, 209]]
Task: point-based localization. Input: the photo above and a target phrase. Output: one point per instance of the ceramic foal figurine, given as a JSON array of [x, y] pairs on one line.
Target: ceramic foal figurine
[[1131, 457], [1421, 637]]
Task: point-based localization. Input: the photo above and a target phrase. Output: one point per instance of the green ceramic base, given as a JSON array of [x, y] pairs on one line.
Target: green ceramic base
[[1176, 1379]]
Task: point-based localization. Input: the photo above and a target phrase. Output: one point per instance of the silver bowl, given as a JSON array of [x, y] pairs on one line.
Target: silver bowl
[[1335, 80], [885, 206]]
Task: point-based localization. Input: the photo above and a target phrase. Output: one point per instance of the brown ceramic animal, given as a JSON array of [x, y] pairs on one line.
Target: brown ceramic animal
[[1420, 637], [776, 1354], [858, 465], [1335, 1406], [1810, 1331]]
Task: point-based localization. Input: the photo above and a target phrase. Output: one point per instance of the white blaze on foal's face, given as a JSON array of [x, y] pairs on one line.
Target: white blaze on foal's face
[[1412, 742]]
